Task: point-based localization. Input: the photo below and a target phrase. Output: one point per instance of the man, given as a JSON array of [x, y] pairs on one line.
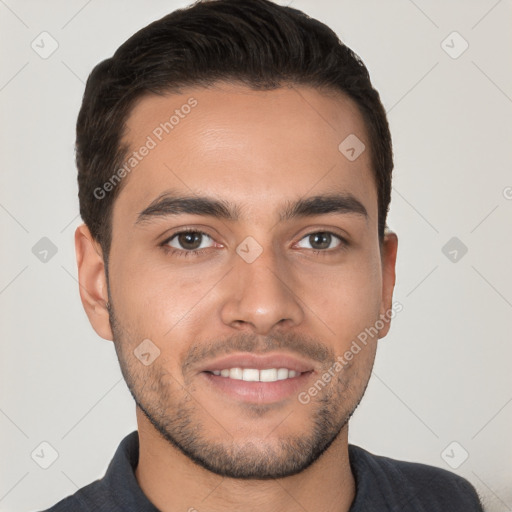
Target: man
[[234, 169]]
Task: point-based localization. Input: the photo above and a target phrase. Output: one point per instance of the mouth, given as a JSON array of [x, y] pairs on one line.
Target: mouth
[[257, 391], [256, 375], [258, 379]]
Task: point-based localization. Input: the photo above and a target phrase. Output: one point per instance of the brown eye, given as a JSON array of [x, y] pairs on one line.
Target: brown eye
[[189, 240], [320, 241]]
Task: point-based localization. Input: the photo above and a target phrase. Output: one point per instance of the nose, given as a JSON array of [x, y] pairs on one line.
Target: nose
[[260, 296]]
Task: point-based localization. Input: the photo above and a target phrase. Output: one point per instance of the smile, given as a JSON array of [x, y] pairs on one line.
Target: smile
[[256, 375]]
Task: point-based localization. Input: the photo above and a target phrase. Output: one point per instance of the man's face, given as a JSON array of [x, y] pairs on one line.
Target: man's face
[[268, 280]]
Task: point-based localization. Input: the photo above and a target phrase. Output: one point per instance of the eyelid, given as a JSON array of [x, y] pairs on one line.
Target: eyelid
[[343, 241], [205, 230], [180, 231], [343, 236]]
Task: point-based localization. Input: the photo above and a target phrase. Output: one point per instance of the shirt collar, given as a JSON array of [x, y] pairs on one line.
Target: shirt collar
[[120, 477]]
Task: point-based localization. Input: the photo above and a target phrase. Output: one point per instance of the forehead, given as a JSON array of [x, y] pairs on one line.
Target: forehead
[[255, 148]]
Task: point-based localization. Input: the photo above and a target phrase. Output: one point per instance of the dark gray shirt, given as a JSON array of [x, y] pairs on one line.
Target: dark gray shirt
[[382, 484]]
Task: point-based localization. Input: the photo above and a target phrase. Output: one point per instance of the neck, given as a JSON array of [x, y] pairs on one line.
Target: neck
[[171, 481]]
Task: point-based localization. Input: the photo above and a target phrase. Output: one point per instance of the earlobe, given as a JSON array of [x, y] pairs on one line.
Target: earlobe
[[388, 257], [93, 281]]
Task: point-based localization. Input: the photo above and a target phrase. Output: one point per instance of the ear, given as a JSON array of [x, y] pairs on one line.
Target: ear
[[388, 257], [93, 281]]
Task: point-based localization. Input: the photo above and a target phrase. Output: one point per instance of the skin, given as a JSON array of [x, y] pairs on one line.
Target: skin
[[257, 150]]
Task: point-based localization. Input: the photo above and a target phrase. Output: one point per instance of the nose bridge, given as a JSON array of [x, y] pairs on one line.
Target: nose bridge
[[260, 291]]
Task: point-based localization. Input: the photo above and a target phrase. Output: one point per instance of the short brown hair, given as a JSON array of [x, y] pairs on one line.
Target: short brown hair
[[253, 42]]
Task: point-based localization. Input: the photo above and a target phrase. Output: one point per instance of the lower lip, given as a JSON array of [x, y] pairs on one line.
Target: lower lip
[[258, 392]]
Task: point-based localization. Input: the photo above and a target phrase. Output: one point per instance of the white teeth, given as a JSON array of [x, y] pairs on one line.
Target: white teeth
[[282, 373], [255, 375], [269, 375], [251, 375], [236, 373]]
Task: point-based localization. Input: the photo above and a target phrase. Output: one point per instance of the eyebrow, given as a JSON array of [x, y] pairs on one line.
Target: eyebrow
[[168, 204]]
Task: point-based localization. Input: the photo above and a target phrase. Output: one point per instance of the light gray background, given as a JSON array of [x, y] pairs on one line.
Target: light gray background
[[442, 374]]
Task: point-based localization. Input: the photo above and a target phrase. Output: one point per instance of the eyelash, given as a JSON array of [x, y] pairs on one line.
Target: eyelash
[[198, 252], [182, 252]]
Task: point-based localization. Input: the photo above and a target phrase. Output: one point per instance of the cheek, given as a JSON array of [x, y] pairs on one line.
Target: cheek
[[159, 300], [155, 299], [345, 297]]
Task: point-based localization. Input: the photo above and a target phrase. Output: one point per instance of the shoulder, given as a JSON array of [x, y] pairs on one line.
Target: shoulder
[[414, 484], [117, 490]]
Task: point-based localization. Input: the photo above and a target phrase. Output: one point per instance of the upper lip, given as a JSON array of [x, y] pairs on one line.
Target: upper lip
[[259, 362]]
